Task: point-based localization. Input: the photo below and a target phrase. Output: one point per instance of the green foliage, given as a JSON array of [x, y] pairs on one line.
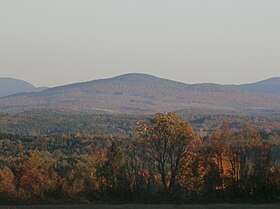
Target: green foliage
[[110, 171]]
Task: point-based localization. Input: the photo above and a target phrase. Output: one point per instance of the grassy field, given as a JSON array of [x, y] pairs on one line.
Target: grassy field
[[218, 206]]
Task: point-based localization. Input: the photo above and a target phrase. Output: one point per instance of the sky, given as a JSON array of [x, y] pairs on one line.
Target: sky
[[56, 42]]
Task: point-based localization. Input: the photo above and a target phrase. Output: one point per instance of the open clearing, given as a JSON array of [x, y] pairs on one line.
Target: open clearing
[[132, 206]]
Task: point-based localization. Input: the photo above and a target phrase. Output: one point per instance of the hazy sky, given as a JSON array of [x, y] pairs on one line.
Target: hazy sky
[[53, 42]]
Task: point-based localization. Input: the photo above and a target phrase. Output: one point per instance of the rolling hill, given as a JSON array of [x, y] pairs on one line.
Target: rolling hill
[[11, 86], [145, 94], [271, 85]]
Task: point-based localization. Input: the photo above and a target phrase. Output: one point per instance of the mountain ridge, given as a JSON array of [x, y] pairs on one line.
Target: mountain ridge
[[11, 86], [138, 93], [270, 85]]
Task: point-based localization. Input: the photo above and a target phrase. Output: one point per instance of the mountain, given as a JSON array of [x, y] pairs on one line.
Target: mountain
[[11, 86], [271, 85], [144, 94]]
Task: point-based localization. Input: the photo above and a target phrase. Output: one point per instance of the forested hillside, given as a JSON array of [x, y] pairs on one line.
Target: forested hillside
[[145, 94], [162, 160], [99, 142], [271, 85]]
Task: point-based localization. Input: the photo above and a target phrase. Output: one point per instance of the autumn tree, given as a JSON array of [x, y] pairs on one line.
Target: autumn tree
[[32, 176], [240, 159], [167, 140], [6, 183], [219, 164]]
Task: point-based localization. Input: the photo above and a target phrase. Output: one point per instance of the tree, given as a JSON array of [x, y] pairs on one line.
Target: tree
[[6, 183], [167, 140], [32, 176], [111, 169], [218, 145]]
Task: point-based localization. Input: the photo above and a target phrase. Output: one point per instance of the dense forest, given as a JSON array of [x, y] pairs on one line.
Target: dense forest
[[157, 160], [46, 122]]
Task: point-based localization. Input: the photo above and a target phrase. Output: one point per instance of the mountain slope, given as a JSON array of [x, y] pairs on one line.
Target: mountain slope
[[271, 85], [10, 86], [141, 93]]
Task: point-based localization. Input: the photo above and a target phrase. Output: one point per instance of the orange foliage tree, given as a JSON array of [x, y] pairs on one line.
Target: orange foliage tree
[[168, 142]]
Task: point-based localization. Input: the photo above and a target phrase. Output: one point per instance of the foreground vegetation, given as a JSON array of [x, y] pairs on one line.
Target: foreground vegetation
[[163, 161]]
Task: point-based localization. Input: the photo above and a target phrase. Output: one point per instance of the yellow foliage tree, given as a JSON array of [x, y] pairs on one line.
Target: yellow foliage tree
[[167, 140]]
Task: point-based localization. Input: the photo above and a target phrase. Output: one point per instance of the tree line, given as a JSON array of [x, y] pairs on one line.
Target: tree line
[[163, 161]]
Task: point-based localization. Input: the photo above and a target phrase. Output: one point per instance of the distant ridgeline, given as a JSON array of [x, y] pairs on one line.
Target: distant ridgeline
[[144, 94], [11, 86]]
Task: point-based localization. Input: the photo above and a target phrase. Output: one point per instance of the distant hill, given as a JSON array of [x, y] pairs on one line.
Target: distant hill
[[271, 85], [11, 86], [144, 94]]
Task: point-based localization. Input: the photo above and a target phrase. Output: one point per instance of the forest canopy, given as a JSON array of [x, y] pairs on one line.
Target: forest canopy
[[163, 159]]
